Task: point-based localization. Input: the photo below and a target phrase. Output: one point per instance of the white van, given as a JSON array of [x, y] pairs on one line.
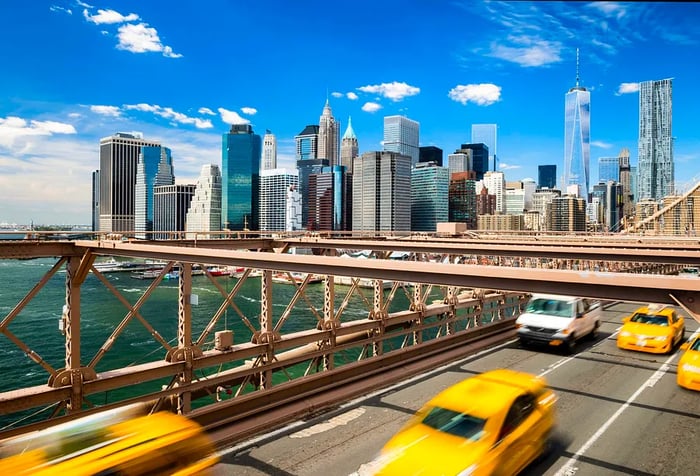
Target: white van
[[558, 320]]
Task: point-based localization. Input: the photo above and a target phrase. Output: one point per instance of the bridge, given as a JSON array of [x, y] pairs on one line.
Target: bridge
[[460, 295]]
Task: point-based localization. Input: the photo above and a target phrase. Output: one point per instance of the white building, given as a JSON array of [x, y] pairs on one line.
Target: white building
[[274, 188], [269, 151], [495, 183], [204, 214]]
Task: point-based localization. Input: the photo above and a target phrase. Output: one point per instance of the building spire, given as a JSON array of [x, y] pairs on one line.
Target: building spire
[[349, 132], [577, 69]]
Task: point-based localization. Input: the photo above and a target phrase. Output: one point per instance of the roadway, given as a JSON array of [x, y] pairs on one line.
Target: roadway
[[619, 412]]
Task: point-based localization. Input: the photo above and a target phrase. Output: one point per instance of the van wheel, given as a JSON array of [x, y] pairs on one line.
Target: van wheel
[[569, 345], [594, 333]]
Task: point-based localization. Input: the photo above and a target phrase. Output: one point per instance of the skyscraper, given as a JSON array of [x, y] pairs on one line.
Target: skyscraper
[[269, 151], [577, 138], [349, 147], [170, 205], [460, 161], [487, 134], [96, 200], [380, 201], [240, 178], [608, 169], [204, 214], [495, 183], [656, 172], [119, 156], [462, 199], [155, 168], [430, 153], [307, 163], [328, 136], [429, 196], [330, 199], [401, 135], [274, 186], [479, 157], [546, 176]]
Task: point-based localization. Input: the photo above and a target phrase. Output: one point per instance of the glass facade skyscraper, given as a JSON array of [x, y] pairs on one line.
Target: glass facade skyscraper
[[577, 140], [330, 197], [547, 176], [479, 158], [656, 168], [487, 134], [608, 169], [429, 196], [401, 135], [240, 178], [155, 168]]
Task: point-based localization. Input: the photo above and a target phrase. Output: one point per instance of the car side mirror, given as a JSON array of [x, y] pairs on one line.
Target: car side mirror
[[685, 346], [579, 315]]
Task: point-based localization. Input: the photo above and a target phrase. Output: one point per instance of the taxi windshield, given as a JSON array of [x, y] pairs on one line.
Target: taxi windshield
[[695, 345], [650, 319], [455, 423]]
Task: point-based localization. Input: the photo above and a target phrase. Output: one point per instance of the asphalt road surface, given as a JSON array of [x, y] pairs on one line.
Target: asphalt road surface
[[618, 412]]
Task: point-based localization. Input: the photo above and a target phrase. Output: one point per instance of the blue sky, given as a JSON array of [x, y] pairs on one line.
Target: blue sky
[[182, 71]]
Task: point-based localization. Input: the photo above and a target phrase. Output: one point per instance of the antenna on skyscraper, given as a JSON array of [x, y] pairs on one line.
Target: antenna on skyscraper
[[577, 75]]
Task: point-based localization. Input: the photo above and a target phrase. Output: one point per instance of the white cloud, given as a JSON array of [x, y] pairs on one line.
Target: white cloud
[[483, 94], [351, 96], [527, 51], [206, 110], [109, 17], [626, 88], [251, 111], [56, 8], [140, 38], [13, 127], [601, 144], [371, 107], [395, 91], [614, 9], [231, 117], [504, 166], [83, 4], [336, 94], [169, 113], [112, 111]]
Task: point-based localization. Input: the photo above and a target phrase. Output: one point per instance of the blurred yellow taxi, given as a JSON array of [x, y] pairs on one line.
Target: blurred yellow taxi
[[652, 328], [496, 422], [689, 365]]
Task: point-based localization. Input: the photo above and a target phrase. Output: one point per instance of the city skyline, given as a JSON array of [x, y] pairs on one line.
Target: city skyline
[[85, 71]]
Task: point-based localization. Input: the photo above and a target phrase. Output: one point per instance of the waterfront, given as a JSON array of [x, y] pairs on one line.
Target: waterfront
[[38, 323]]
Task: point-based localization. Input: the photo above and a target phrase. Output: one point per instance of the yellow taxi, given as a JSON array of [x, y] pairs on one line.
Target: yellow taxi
[[689, 365], [496, 422], [652, 328]]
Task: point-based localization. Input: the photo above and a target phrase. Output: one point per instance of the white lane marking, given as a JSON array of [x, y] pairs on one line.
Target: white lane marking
[[566, 360], [568, 469], [285, 429], [334, 422]]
